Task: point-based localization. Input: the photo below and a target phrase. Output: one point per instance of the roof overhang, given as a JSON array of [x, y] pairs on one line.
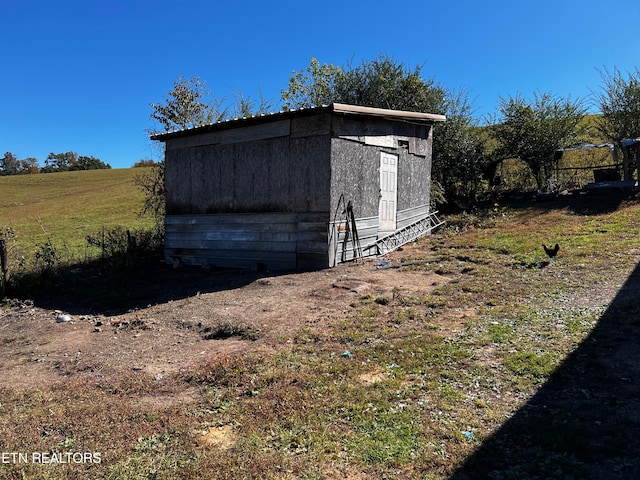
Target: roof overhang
[[338, 108], [383, 112]]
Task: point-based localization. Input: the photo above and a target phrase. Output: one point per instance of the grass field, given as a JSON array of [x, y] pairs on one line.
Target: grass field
[[65, 207], [518, 367]]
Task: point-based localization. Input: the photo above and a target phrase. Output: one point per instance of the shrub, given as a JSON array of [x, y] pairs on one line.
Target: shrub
[[122, 247]]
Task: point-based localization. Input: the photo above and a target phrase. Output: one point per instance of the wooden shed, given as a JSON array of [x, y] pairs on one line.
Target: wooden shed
[[298, 190]]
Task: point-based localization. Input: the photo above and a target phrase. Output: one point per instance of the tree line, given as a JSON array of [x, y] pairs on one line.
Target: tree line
[[466, 151], [55, 162]]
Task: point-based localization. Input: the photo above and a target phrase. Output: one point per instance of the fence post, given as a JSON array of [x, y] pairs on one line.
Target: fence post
[[4, 267]]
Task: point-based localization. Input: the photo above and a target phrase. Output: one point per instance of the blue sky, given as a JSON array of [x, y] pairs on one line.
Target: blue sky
[[79, 75]]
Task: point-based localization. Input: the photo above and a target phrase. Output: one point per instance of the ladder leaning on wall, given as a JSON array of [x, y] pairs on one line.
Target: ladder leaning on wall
[[408, 234]]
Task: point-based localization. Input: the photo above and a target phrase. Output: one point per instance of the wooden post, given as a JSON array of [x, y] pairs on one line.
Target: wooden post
[[625, 163], [4, 267], [638, 165]]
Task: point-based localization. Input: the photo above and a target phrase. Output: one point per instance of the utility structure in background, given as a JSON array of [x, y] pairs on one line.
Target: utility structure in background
[[263, 192]]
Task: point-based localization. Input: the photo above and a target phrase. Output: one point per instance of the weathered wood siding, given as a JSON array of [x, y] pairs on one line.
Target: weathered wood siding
[[412, 215], [355, 162], [272, 195], [341, 243], [272, 241], [283, 168]]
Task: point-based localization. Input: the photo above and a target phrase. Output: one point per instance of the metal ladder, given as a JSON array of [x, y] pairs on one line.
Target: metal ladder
[[408, 234]]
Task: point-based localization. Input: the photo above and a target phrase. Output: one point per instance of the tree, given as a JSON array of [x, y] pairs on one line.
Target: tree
[[70, 161], [29, 165], [245, 106], [186, 106], [9, 164], [384, 83], [381, 82], [460, 155], [143, 163], [60, 162], [619, 102], [312, 87], [89, 163], [534, 131], [151, 183]]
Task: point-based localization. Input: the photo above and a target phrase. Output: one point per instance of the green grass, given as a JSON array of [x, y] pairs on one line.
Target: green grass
[[66, 207], [429, 379]]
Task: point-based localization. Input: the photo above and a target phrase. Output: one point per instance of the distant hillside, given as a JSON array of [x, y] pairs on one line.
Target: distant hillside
[[67, 206]]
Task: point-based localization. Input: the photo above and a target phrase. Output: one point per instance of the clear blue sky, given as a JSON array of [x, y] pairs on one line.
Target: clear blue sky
[[79, 75]]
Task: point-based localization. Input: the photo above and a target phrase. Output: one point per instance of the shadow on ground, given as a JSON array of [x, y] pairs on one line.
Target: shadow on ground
[[591, 203], [91, 289], [584, 423]]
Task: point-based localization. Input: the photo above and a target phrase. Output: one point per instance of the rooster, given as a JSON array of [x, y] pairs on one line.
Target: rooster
[[551, 252]]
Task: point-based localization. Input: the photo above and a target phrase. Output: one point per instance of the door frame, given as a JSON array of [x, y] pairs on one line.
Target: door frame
[[388, 193]]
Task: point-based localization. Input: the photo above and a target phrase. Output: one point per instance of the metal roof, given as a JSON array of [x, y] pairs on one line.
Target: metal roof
[[340, 108], [627, 142], [586, 146]]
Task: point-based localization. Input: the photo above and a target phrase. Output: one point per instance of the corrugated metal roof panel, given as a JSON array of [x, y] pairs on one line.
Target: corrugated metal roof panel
[[340, 108]]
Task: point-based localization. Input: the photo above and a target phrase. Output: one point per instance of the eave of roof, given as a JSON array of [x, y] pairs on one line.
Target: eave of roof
[[339, 108]]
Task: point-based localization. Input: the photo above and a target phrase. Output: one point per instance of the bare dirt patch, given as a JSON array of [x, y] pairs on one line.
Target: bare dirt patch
[[232, 313]]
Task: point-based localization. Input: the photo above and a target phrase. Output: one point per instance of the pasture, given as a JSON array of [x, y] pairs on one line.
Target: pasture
[[470, 355]]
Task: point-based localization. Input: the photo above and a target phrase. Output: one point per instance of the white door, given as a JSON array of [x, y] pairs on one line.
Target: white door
[[388, 191]]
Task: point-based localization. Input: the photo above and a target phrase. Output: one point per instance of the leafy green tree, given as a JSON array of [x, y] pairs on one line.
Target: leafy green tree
[[534, 130], [29, 165], [385, 83], [89, 163], [381, 82], [245, 106], [312, 87], [460, 155], [459, 152], [70, 161], [60, 162], [9, 164], [186, 106], [619, 103]]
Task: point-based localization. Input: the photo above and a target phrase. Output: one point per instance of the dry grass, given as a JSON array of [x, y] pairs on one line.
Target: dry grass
[[66, 207], [425, 380]]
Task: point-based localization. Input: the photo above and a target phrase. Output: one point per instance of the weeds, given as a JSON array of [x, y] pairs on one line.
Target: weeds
[[229, 329], [119, 250], [429, 379]]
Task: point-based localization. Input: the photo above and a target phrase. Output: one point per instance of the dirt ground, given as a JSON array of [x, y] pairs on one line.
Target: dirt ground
[[41, 345]]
